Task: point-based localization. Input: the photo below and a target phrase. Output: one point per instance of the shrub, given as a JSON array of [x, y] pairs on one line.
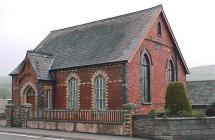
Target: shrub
[[177, 102], [211, 110]]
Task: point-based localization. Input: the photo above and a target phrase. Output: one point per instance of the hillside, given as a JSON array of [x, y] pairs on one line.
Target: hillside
[[5, 87], [202, 73]]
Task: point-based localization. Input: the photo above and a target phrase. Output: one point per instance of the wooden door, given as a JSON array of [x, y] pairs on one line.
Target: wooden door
[[31, 100]]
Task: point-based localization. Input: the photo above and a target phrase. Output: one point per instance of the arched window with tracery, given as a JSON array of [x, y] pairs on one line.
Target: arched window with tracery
[[100, 92], [145, 79], [171, 71], [73, 98]]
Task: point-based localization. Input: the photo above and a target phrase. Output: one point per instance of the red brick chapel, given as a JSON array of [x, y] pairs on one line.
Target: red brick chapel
[[102, 65]]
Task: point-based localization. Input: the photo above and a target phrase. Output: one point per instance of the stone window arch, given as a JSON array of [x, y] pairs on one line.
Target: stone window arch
[[99, 83], [28, 89], [73, 91]]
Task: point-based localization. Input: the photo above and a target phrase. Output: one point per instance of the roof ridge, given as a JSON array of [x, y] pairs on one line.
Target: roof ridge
[[108, 19]]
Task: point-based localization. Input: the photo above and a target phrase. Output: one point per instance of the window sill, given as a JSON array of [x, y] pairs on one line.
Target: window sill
[[149, 103]]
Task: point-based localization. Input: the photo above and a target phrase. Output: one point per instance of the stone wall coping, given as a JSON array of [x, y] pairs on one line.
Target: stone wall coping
[[171, 118], [185, 118]]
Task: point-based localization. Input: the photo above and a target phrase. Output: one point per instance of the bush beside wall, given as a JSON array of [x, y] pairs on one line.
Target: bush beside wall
[[177, 102]]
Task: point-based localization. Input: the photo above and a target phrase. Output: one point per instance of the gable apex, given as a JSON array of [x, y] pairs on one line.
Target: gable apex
[[26, 65], [171, 33]]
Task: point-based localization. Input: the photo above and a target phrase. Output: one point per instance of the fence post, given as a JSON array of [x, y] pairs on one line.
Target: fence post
[[9, 114], [128, 122], [25, 112]]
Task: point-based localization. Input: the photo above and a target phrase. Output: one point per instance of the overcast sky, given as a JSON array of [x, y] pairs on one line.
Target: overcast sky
[[25, 23]]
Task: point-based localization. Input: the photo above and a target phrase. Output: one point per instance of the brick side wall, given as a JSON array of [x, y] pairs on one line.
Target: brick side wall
[[160, 49], [114, 86], [174, 128]]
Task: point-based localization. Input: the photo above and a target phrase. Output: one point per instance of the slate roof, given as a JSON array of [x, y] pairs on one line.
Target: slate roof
[[104, 41], [41, 65], [99, 42], [202, 73], [201, 92]]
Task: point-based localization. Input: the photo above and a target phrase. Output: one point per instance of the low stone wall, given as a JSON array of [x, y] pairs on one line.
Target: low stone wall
[[174, 128], [3, 122], [99, 128]]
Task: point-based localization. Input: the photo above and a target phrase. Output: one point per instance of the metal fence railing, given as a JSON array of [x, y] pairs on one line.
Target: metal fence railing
[[105, 116]]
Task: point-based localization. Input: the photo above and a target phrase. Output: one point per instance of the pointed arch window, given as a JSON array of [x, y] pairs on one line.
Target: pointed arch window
[[159, 33], [100, 92], [171, 71], [145, 79], [73, 100], [29, 91], [29, 96]]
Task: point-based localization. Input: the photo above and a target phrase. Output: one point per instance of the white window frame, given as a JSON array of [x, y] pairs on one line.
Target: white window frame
[[100, 93], [73, 93]]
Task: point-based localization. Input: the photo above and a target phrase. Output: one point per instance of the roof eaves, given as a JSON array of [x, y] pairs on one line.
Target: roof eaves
[[12, 74], [93, 65], [45, 79]]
